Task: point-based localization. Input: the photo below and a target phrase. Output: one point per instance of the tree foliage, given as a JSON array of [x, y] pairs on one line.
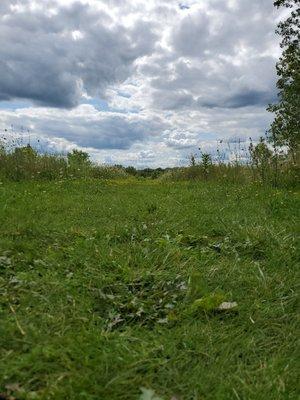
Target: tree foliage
[[285, 129], [78, 158]]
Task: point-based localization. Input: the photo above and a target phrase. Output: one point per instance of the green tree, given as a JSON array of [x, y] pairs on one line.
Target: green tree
[[25, 153], [206, 163], [285, 129], [131, 170], [261, 157], [78, 158]]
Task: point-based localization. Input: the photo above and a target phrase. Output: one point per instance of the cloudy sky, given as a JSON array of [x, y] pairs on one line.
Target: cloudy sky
[[137, 82]]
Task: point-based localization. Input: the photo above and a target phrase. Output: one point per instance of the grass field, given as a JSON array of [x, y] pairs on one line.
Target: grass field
[[108, 288]]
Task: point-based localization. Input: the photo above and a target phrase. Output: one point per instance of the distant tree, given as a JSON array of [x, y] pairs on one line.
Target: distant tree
[[206, 163], [285, 129], [131, 170], [25, 153], [78, 158], [192, 159], [2, 150]]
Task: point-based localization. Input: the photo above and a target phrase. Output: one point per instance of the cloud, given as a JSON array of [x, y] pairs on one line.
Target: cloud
[[141, 82], [139, 139], [86, 126], [54, 53], [249, 98]]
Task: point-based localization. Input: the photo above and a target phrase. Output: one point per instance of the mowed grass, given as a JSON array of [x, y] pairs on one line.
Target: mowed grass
[[100, 282]]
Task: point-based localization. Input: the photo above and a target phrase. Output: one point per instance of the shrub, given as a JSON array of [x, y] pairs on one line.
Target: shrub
[[24, 163]]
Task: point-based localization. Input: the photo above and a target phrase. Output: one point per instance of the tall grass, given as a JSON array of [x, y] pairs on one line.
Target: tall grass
[[24, 163], [263, 165], [285, 175]]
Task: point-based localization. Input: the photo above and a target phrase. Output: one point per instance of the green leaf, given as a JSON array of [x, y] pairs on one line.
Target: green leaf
[[210, 302], [148, 394]]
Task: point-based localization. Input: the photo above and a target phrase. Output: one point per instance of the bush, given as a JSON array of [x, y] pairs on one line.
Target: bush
[[108, 172], [24, 163]]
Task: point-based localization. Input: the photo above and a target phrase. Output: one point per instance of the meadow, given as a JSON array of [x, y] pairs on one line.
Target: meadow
[[112, 290]]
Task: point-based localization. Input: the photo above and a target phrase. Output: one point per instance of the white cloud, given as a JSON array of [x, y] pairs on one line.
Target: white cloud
[[174, 73]]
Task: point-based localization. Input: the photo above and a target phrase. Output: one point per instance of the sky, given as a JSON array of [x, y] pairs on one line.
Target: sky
[[137, 82]]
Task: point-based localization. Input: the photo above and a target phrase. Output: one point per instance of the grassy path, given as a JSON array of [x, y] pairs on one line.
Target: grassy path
[[100, 287]]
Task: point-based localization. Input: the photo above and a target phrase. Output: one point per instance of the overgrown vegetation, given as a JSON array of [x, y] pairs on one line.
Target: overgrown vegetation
[[24, 163], [285, 129], [263, 165]]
